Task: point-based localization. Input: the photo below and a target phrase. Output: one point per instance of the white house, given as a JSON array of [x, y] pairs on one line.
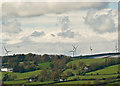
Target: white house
[[61, 80], [86, 68], [7, 69]]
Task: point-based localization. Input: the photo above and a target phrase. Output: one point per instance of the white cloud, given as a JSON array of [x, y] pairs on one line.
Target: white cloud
[[27, 9], [110, 36], [68, 34], [80, 31], [11, 26], [29, 22], [37, 34], [101, 23]]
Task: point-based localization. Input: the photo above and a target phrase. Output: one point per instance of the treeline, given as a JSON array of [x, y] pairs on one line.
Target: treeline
[[29, 62]]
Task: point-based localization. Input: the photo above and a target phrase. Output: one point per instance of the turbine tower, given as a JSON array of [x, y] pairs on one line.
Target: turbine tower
[[7, 51], [116, 48], [91, 50], [74, 49]]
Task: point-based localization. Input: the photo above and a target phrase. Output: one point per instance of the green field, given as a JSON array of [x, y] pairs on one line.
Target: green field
[[45, 65], [87, 61], [15, 82], [40, 82], [73, 71], [22, 75], [106, 70], [77, 82], [80, 82], [92, 76]]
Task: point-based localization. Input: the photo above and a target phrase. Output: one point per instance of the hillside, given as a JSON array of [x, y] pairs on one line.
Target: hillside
[[102, 70], [107, 70]]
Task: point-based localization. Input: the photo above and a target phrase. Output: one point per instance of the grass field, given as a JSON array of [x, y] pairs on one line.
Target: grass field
[[40, 82], [80, 82], [15, 82], [92, 77], [22, 75], [76, 82], [106, 70], [45, 65], [115, 82], [73, 71], [87, 61]]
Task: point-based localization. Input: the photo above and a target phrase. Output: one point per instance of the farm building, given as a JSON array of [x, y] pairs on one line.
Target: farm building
[[7, 69]]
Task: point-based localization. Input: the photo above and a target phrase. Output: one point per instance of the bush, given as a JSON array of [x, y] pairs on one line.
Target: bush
[[97, 73], [69, 73]]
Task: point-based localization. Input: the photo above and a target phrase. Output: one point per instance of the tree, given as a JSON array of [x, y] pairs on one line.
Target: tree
[[51, 65], [70, 65], [5, 77], [79, 72], [55, 76], [45, 75], [64, 76], [69, 73], [97, 73], [9, 77], [21, 69], [45, 58], [73, 66]]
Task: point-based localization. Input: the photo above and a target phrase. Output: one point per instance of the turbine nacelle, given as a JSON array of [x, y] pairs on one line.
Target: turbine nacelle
[[74, 49]]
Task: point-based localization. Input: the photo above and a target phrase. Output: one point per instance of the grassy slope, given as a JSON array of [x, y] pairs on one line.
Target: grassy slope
[[76, 82], [22, 75], [15, 82], [87, 61], [106, 70], [46, 82], [73, 71], [80, 82], [28, 74], [45, 65], [93, 76], [111, 69]]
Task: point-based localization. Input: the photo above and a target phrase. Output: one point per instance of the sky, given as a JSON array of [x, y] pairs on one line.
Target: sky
[[53, 27]]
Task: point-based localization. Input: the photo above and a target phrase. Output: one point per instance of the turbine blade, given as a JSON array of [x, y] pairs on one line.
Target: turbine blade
[[5, 49], [73, 46]]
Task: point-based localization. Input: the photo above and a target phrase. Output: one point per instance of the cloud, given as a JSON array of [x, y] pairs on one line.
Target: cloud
[[37, 34], [100, 23], [64, 22], [12, 26], [28, 9], [67, 33]]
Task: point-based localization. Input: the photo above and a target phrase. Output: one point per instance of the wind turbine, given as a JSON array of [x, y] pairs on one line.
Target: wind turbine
[[116, 48], [7, 51], [91, 50], [74, 49]]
